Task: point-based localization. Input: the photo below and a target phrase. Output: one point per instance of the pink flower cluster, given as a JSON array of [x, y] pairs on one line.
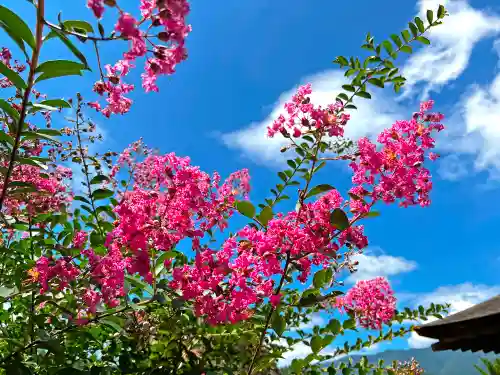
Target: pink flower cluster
[[225, 284], [171, 200], [6, 58], [372, 302], [302, 116], [108, 273], [49, 269], [395, 170], [80, 239], [165, 54], [39, 191]]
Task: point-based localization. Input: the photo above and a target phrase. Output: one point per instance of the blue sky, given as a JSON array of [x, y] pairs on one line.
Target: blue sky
[[245, 57]]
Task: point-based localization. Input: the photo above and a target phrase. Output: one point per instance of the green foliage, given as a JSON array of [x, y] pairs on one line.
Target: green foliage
[[154, 330], [490, 367]]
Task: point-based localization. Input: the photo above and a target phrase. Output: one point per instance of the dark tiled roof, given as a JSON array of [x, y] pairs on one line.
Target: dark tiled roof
[[475, 329]]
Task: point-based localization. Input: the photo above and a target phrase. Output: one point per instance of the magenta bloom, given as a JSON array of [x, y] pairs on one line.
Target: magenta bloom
[[372, 302]]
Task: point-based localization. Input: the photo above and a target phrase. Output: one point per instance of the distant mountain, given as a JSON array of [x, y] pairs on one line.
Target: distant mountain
[[434, 363]]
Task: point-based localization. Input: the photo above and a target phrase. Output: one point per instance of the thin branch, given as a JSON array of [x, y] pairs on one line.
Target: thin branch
[[98, 59], [26, 98]]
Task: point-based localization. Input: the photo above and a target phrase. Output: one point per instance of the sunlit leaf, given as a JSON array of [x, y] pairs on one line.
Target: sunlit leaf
[[99, 194], [319, 189], [278, 324], [12, 76], [339, 219], [246, 208], [17, 26], [72, 48]]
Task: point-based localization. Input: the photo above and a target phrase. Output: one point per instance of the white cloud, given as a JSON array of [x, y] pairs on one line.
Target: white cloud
[[371, 117], [452, 44], [472, 134], [460, 297], [316, 320], [301, 350], [481, 115], [371, 266], [418, 342], [452, 167]]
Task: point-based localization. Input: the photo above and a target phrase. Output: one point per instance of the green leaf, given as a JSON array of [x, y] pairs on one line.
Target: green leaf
[[319, 278], [364, 94], [441, 11], [377, 82], [348, 88], [341, 60], [37, 135], [56, 65], [397, 40], [81, 199], [12, 76], [4, 137], [297, 365], [420, 24], [17, 368], [334, 326], [265, 215], [372, 214], [53, 132], [35, 107], [139, 284], [339, 219], [316, 344], [160, 262], [387, 46], [406, 35], [49, 105], [309, 297], [349, 324], [99, 179], [57, 103], [406, 49], [423, 40], [343, 96], [56, 74], [413, 29], [430, 16], [9, 110], [58, 68], [17, 26], [319, 189], [110, 323], [31, 161], [278, 324], [99, 194], [72, 48], [14, 37], [81, 27], [246, 208]]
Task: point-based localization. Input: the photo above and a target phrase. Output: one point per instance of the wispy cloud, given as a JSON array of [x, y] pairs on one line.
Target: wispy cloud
[[452, 44], [371, 117], [473, 130]]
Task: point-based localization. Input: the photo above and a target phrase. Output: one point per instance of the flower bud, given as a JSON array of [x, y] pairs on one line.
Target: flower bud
[[164, 36], [156, 22], [165, 14], [114, 80]]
